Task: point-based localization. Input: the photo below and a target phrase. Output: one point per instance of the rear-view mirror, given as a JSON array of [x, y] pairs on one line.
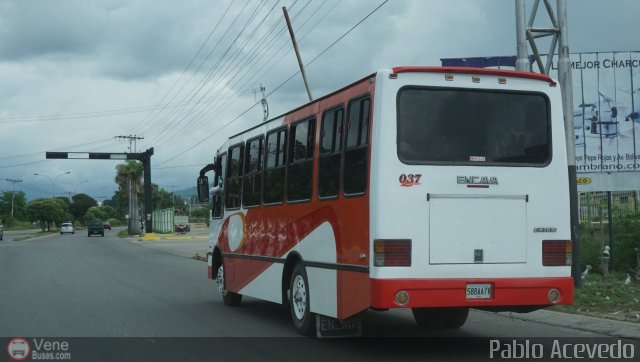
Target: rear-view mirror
[[203, 189]]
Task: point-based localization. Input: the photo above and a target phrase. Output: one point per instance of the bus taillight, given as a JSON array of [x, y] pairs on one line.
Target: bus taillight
[[392, 252], [557, 252]]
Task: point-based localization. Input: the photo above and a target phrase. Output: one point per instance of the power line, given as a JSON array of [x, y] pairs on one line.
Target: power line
[[132, 140], [198, 118], [204, 80], [215, 28], [23, 164], [94, 114], [210, 75], [279, 86], [193, 122], [283, 30], [41, 152]]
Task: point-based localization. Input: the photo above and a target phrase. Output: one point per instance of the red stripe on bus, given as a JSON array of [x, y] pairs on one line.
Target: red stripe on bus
[[452, 292]]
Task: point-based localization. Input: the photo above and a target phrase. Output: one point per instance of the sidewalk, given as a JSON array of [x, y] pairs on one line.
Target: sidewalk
[[584, 323], [197, 244]]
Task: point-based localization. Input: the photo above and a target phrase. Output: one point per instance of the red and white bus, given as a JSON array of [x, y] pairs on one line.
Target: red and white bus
[[432, 188]]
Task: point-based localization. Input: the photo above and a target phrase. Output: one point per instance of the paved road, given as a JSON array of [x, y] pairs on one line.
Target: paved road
[[72, 285]]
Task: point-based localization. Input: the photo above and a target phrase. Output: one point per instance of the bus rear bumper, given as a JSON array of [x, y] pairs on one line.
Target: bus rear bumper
[[453, 292]]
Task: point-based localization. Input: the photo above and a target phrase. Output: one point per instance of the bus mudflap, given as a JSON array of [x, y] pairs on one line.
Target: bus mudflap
[[329, 327]]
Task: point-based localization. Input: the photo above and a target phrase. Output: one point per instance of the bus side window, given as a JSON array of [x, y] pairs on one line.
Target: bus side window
[[218, 204], [355, 175], [234, 177], [275, 166], [252, 185], [330, 160], [300, 175]]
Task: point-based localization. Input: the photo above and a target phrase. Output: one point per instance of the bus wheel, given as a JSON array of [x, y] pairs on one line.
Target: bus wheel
[[229, 298], [303, 319], [440, 318]]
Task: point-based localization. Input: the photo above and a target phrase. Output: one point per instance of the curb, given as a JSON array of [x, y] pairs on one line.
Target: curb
[[577, 321], [199, 257]]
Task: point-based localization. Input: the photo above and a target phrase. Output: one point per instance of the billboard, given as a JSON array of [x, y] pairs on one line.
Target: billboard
[[606, 96]]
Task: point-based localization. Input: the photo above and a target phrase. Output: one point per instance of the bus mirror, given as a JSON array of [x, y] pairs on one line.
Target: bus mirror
[[203, 189], [217, 166]]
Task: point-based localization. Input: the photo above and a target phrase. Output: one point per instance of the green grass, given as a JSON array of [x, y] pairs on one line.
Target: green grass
[[39, 233], [606, 297], [20, 225]]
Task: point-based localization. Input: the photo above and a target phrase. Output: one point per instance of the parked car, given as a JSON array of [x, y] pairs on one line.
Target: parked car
[[67, 227], [95, 227], [106, 225]]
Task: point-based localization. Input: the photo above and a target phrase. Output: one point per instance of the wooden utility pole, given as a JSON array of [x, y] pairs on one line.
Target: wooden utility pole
[[295, 47]]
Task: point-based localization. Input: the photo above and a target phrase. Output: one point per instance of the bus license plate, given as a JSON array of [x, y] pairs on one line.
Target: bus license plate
[[478, 291]]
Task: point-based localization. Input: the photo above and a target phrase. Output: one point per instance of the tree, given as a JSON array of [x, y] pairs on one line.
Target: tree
[[129, 177], [163, 199], [81, 203], [16, 201], [47, 211], [96, 213]]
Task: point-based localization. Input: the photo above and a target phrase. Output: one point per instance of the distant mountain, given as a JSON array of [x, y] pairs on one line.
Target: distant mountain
[[187, 193]]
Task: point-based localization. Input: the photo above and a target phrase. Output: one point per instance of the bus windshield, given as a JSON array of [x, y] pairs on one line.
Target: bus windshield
[[463, 126]]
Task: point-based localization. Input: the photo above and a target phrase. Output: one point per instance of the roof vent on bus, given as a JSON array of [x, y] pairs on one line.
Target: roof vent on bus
[[475, 79], [502, 80], [448, 77]]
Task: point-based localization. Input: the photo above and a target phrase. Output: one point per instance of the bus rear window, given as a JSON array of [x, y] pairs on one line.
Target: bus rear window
[[442, 125]]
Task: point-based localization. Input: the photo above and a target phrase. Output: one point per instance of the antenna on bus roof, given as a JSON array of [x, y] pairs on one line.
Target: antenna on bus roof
[[295, 47]]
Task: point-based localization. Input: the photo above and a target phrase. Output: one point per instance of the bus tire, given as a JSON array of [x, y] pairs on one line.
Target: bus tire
[[440, 318], [230, 299], [303, 319]]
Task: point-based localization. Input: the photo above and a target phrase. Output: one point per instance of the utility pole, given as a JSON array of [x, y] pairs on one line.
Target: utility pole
[[173, 196], [526, 32], [132, 140], [263, 101], [295, 47], [13, 191]]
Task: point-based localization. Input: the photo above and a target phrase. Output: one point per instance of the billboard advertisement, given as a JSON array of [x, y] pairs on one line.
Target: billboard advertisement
[[606, 96]]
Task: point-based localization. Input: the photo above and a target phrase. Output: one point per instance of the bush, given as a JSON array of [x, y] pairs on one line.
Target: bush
[[591, 243], [626, 237]]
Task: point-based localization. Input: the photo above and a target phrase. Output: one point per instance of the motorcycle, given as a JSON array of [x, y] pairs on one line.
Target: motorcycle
[[183, 229]]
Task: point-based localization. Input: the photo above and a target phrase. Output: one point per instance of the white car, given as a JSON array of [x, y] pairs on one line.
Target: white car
[[67, 227]]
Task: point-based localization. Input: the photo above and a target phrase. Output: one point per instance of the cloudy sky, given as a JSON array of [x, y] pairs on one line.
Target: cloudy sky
[[186, 74]]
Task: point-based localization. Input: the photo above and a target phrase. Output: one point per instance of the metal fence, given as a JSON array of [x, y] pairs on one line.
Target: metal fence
[[599, 207], [163, 221]]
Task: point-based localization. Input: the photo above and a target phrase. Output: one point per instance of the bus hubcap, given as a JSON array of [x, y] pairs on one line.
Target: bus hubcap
[[220, 281], [299, 297]]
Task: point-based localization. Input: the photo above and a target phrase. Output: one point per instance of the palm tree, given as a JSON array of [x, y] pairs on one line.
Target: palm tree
[[129, 177]]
